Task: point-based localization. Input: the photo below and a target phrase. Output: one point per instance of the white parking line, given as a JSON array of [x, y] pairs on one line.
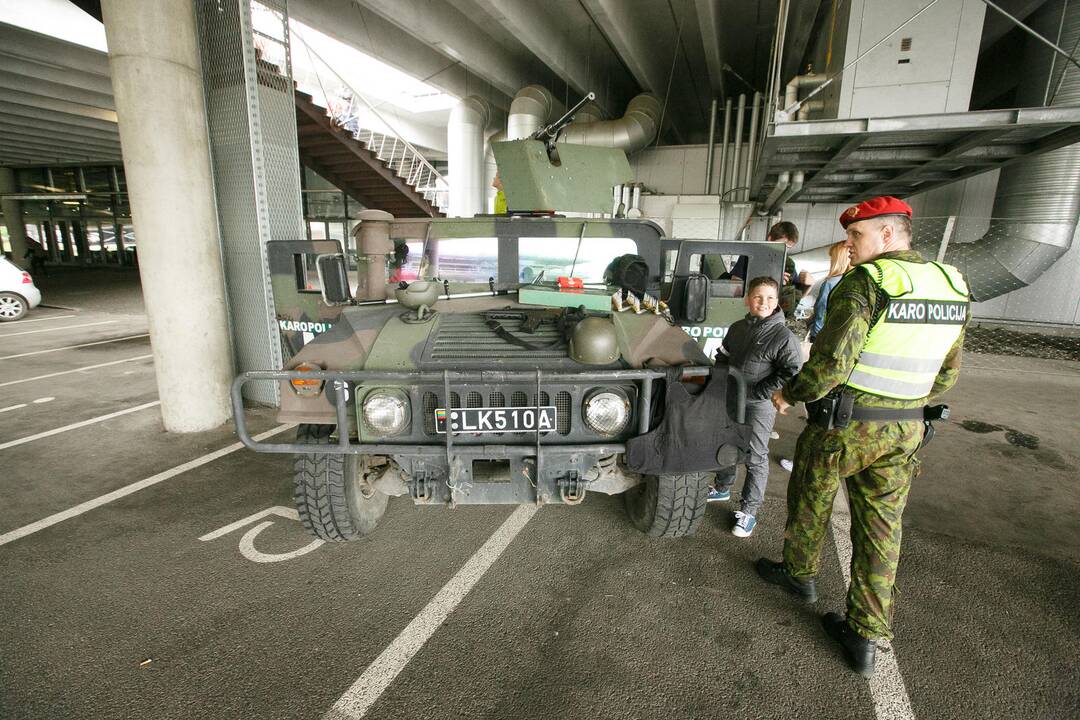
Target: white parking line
[[39, 401], [80, 369], [54, 317], [64, 327], [12, 407], [887, 686], [129, 489], [72, 347], [75, 426], [379, 674]]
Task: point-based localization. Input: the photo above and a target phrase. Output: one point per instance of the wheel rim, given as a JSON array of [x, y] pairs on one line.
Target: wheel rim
[[10, 307]]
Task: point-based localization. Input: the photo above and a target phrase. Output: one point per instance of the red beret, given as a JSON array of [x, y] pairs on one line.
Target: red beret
[[876, 207]]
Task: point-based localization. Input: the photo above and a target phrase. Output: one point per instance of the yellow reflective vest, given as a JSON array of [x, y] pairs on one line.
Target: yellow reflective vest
[[927, 308]]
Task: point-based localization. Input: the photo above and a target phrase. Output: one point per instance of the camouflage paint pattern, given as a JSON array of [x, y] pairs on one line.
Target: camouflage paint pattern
[[877, 461], [581, 181], [374, 336]]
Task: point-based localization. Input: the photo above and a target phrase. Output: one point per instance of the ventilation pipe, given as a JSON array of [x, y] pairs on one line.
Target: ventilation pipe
[[530, 110], [632, 132], [804, 82], [1036, 206], [589, 112], [465, 156]]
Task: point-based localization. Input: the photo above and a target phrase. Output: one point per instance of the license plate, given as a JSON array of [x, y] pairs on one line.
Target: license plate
[[496, 420]]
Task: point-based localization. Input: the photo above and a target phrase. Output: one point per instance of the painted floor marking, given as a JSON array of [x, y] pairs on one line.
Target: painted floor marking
[[72, 347], [64, 327], [887, 686], [247, 542], [75, 426], [97, 502], [80, 369], [55, 317], [22, 405], [377, 677]]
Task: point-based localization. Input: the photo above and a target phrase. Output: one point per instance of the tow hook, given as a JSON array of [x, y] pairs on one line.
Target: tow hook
[[572, 488]]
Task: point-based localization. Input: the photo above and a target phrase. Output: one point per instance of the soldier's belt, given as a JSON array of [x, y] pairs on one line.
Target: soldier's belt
[[879, 414]]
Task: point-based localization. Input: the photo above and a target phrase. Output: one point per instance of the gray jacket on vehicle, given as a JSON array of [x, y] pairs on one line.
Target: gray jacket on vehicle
[[763, 349]]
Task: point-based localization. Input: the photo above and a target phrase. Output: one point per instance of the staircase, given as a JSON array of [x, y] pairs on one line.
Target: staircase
[[378, 168], [339, 155]]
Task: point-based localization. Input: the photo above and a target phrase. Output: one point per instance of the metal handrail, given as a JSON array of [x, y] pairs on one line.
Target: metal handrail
[[402, 156]]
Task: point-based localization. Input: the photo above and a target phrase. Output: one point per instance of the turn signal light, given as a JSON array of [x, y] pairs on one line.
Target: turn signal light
[[308, 387], [26, 279]]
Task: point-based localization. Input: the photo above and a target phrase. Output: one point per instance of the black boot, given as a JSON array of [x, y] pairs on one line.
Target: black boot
[[858, 651], [777, 574]]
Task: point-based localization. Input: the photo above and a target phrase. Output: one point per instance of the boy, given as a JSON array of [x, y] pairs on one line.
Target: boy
[[766, 351]]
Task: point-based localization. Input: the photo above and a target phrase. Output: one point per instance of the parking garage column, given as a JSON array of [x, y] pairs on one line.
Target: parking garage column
[[12, 210], [158, 89]]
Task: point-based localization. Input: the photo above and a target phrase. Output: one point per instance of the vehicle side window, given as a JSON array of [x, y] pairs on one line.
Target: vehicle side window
[[471, 260], [307, 276], [555, 257]]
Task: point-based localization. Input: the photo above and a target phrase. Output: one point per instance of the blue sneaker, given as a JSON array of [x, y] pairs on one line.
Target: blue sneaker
[[744, 524], [718, 495]]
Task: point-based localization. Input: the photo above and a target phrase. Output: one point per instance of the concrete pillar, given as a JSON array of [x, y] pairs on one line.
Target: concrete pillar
[[13, 221], [157, 86], [465, 155]]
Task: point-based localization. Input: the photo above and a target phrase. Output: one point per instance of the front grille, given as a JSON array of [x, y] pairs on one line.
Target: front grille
[[567, 403], [563, 410]]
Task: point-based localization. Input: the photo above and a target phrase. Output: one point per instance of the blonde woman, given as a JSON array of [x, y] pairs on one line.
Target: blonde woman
[[839, 263]]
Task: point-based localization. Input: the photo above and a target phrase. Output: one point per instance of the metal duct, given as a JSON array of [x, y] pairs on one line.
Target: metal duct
[[530, 110], [465, 156], [632, 132], [589, 112], [1036, 206]]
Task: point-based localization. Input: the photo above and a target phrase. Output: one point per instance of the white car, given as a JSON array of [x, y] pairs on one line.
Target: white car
[[17, 291]]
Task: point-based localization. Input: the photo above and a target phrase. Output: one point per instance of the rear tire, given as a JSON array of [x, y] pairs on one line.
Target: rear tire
[[668, 505], [12, 306], [330, 497]]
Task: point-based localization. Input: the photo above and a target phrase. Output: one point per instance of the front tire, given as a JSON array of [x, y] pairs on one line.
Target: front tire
[[331, 499], [668, 505], [12, 306]]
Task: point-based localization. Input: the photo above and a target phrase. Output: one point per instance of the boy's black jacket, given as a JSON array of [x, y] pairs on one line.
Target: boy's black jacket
[[765, 350]]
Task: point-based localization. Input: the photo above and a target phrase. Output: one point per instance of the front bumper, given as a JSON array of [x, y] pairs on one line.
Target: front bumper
[[531, 469]]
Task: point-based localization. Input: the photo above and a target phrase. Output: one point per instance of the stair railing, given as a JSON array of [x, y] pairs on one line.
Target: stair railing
[[350, 110]]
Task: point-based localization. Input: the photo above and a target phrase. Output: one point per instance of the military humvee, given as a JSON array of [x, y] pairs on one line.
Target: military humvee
[[480, 387]]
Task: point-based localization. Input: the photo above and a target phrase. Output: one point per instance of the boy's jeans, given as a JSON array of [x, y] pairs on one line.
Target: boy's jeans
[[760, 414]]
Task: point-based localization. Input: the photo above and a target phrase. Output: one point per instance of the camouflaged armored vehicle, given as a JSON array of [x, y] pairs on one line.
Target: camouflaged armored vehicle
[[480, 387]]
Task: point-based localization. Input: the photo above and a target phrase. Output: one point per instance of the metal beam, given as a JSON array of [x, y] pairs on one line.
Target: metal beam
[[850, 146], [709, 25], [550, 36], [31, 45], [369, 32], [32, 134], [61, 129], [48, 72], [56, 105], [38, 114]]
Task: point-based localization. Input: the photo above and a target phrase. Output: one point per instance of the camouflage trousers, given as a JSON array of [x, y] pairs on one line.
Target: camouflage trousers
[[877, 461]]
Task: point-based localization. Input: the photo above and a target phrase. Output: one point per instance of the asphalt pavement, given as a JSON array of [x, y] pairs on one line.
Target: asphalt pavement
[[144, 574]]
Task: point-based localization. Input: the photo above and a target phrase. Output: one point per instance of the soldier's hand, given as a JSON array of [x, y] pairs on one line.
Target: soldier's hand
[[780, 403]]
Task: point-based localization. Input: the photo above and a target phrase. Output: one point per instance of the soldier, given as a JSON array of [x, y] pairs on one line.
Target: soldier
[[892, 341]]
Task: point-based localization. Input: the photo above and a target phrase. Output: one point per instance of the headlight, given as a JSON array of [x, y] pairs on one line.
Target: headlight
[[607, 412], [386, 412]]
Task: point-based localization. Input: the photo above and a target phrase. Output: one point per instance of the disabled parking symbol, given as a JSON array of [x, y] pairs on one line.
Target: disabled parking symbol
[[247, 541]]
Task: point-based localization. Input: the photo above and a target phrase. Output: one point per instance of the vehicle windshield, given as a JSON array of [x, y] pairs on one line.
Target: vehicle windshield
[[475, 260]]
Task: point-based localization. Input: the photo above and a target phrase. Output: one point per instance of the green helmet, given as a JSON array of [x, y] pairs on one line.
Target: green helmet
[[593, 342]]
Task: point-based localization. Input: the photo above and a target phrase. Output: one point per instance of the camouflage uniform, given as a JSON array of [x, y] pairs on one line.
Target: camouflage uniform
[[875, 459]]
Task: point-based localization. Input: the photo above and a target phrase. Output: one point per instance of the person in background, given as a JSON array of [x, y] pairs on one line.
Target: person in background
[[766, 352], [839, 263], [784, 232], [37, 255]]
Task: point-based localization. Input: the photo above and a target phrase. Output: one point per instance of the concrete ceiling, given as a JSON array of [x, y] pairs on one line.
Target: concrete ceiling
[[56, 104], [684, 51]]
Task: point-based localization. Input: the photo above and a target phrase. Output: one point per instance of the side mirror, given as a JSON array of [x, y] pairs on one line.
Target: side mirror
[[695, 303], [333, 279]]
